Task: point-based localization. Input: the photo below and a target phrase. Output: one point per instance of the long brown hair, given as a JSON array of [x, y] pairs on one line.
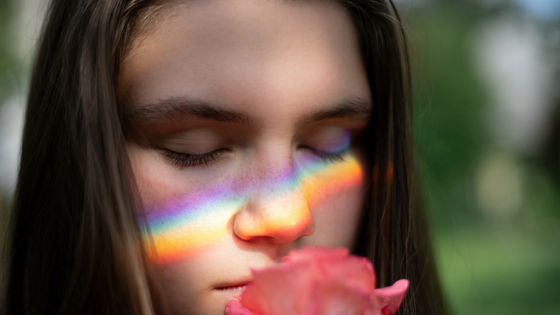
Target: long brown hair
[[75, 238]]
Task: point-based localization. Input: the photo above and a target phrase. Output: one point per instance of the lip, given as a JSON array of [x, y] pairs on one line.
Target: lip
[[233, 289], [232, 286]]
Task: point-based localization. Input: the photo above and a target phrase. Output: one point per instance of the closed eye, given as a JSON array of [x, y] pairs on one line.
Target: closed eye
[[331, 157], [189, 160]]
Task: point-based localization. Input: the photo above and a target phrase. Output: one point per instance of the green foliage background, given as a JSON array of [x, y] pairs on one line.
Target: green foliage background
[[508, 265]]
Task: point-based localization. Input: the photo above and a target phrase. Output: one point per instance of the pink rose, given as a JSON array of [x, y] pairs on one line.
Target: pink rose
[[318, 281]]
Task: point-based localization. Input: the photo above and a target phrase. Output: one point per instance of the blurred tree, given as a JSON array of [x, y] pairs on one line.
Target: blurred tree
[[449, 109], [8, 58], [502, 265]]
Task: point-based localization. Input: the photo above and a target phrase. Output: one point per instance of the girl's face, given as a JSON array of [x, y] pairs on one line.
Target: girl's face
[[244, 118]]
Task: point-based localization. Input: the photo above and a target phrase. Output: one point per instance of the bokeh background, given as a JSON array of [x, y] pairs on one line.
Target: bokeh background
[[487, 130]]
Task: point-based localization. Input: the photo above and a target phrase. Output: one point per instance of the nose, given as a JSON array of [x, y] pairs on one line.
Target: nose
[[280, 213]]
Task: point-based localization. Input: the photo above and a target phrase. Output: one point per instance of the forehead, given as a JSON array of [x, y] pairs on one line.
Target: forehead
[[246, 53]]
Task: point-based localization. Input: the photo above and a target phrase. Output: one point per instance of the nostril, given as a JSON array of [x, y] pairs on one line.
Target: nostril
[[283, 218]]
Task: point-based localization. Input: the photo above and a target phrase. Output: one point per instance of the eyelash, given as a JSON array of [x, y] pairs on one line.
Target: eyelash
[[330, 157], [189, 160]]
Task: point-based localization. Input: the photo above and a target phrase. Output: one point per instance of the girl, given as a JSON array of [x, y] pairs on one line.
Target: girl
[[170, 146]]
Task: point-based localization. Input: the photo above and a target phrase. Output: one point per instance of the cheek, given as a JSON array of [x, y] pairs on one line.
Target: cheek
[[183, 214], [335, 196], [154, 184]]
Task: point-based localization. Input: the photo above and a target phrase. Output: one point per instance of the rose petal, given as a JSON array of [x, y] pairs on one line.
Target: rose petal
[[338, 297], [235, 308], [318, 281], [389, 299], [337, 263], [280, 290], [353, 269], [314, 253]]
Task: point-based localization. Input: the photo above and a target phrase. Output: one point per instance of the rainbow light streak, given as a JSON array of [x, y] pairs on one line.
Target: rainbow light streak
[[180, 229]]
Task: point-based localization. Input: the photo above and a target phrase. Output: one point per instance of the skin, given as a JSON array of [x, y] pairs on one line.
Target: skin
[[276, 64]]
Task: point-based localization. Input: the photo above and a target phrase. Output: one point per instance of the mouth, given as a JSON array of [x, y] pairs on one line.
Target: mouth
[[233, 289]]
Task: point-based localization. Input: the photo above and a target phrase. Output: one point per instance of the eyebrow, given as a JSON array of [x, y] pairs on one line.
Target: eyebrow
[[349, 108], [173, 108]]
